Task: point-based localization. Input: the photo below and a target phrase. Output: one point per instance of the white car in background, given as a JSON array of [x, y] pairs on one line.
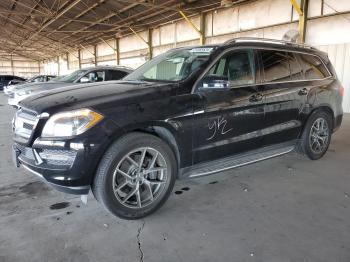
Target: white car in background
[[86, 75], [14, 85]]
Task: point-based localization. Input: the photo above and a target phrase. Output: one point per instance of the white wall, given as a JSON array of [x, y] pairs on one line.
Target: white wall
[[20, 66]]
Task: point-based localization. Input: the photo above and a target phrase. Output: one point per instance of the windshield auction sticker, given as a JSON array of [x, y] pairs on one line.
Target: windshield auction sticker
[[202, 50]]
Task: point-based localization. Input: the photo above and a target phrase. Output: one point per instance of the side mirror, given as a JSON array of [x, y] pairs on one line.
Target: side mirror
[[215, 82], [84, 79]]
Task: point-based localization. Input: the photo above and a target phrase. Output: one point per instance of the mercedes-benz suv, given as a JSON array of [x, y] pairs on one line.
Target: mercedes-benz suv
[[189, 112]]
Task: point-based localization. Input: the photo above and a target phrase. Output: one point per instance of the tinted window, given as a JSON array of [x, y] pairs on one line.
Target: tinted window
[[313, 67], [115, 75], [276, 66], [238, 67], [295, 68], [95, 76], [50, 78]]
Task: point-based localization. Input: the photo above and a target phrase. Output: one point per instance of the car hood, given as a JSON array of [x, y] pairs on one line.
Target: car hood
[[39, 87], [96, 95]]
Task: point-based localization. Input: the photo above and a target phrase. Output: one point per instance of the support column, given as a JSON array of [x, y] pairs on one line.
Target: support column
[[67, 57], [58, 65], [95, 55], [148, 43], [12, 68], [117, 52], [302, 11], [150, 47], [200, 30], [305, 9], [79, 58]]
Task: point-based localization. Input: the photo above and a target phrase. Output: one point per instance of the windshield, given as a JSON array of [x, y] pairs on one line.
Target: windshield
[[71, 77], [172, 66]]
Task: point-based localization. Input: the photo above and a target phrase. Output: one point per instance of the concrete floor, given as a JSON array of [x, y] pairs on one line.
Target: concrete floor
[[284, 209]]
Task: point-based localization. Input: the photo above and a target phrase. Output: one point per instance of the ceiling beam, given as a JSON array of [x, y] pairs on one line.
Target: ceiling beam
[[46, 24], [101, 20], [127, 22], [79, 15]]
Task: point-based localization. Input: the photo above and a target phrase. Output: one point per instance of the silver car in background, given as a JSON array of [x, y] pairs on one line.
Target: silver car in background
[[14, 85], [86, 75]]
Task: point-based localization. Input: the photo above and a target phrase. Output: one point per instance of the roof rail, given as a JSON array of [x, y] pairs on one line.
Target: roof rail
[[266, 40]]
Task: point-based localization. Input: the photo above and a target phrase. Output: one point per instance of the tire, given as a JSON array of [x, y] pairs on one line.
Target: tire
[[312, 137], [130, 197]]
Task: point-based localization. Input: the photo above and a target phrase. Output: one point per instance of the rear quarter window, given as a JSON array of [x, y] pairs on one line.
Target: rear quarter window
[[276, 66], [115, 74], [313, 67]]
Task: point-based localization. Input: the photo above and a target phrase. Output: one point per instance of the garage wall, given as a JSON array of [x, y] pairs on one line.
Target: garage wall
[[328, 28], [339, 54], [19, 66]]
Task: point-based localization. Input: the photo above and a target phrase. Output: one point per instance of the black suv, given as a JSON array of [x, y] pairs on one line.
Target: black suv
[[189, 112]]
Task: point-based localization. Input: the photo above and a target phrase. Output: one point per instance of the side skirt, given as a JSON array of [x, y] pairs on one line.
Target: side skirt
[[250, 157]]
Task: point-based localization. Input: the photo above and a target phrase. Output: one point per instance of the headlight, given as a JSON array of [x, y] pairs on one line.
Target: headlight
[[70, 123], [23, 93]]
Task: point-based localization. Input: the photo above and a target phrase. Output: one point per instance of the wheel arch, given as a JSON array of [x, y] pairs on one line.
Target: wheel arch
[[321, 108], [165, 133], [163, 130]]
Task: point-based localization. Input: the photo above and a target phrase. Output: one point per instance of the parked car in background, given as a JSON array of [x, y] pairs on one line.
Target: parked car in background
[[5, 79], [189, 112], [86, 75], [14, 85], [15, 82]]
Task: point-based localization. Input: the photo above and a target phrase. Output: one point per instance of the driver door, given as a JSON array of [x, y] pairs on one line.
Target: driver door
[[229, 112]]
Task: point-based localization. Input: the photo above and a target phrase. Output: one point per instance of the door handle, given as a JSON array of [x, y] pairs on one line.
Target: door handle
[[303, 92], [256, 97]]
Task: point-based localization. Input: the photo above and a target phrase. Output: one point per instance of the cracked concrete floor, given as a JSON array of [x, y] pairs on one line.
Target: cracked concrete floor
[[283, 209]]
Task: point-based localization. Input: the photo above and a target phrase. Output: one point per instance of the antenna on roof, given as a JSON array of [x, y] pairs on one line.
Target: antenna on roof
[[291, 36]]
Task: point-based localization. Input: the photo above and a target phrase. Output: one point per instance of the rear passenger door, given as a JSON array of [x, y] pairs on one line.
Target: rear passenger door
[[285, 93]]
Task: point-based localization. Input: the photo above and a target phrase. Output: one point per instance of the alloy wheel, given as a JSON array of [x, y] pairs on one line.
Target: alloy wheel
[[319, 135], [140, 177]]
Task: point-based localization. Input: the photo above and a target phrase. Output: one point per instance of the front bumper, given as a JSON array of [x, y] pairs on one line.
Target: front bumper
[[65, 165]]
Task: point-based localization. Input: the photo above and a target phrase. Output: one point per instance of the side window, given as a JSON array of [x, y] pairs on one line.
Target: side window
[[295, 68], [115, 75], [96, 76], [276, 65], [237, 67], [313, 67]]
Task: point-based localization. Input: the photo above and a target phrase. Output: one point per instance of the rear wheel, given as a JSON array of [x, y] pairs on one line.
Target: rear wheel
[[135, 176], [317, 134]]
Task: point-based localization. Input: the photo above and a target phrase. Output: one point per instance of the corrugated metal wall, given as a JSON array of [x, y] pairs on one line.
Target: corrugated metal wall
[[340, 56]]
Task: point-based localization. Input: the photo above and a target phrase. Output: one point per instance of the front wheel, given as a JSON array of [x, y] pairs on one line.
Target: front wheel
[[317, 134], [135, 176]]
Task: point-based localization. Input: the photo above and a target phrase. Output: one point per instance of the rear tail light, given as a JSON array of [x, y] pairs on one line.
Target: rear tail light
[[341, 90]]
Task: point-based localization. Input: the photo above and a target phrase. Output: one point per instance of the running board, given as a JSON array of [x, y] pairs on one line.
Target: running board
[[204, 169]]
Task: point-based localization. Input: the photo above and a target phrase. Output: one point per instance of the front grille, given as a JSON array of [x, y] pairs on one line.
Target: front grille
[[24, 124]]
